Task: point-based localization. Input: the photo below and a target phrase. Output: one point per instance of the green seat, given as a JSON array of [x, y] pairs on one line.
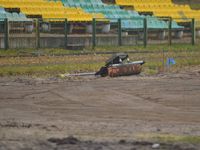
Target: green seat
[[114, 12], [2, 16]]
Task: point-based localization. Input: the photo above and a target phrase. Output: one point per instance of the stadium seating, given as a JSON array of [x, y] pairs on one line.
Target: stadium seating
[[162, 8], [84, 10], [12, 16], [47, 9], [130, 19]]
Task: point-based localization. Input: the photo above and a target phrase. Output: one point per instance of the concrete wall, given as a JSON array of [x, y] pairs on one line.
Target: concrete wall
[[1, 42], [52, 42], [22, 42], [29, 41]]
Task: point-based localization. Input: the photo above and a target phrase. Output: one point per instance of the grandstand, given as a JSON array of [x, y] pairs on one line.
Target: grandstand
[[46, 10], [130, 17], [83, 11], [12, 16]]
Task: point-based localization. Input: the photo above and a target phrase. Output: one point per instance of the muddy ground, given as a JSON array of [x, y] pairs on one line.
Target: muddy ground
[[100, 113]]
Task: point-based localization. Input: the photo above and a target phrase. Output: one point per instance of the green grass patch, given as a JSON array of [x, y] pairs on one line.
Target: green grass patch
[[34, 52], [176, 138], [51, 52], [184, 56], [171, 138], [153, 47], [48, 69]]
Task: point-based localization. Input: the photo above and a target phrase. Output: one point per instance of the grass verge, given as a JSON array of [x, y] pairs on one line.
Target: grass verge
[[99, 49], [48, 64], [46, 70], [171, 138]]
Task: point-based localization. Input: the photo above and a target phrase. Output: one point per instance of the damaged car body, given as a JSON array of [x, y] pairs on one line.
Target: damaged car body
[[120, 65]]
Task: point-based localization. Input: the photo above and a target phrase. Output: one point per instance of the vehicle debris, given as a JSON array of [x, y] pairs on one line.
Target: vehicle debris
[[120, 65]]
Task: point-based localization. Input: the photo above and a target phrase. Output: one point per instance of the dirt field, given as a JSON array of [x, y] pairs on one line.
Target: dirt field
[[103, 113]]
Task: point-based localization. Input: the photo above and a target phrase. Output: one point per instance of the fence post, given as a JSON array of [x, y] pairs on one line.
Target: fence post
[[37, 33], [193, 31], [6, 34], [93, 33], [119, 32], [145, 32], [66, 33], [170, 31]]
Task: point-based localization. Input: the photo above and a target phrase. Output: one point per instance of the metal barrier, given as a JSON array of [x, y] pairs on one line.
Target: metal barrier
[[59, 33], [50, 30], [2, 34], [20, 34]]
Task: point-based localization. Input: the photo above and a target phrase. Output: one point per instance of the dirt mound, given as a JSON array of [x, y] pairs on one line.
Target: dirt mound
[[72, 143], [68, 140]]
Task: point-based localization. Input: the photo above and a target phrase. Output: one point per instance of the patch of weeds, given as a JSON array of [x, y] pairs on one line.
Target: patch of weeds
[[171, 138], [176, 138], [150, 71]]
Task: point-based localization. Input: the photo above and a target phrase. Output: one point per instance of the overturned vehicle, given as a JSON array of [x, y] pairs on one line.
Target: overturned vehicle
[[120, 65]]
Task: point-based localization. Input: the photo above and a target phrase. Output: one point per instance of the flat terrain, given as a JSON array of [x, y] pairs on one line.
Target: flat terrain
[[99, 111]]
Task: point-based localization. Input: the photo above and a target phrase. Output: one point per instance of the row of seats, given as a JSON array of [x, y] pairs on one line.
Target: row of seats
[[130, 19], [48, 9], [162, 8], [82, 2], [130, 2], [12, 16], [73, 10]]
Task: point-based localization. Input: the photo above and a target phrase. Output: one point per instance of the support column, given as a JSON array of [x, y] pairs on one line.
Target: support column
[[93, 33], [119, 32], [6, 34], [38, 33], [145, 32], [66, 34], [193, 31], [170, 31]]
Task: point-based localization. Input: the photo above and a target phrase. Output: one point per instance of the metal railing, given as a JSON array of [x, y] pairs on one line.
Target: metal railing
[[62, 31]]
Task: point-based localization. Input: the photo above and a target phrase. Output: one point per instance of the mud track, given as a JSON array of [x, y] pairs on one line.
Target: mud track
[[98, 111]]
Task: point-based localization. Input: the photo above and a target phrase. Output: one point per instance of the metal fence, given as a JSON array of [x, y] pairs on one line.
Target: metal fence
[[59, 33], [2, 34]]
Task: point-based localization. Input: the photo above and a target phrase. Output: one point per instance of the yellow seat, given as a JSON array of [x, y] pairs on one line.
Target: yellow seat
[[162, 8], [47, 9]]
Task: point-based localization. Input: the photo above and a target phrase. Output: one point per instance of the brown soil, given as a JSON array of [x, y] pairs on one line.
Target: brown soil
[[103, 113]]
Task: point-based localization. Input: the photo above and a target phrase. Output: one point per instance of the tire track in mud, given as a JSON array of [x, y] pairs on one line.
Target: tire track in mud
[[26, 125], [68, 99], [80, 107]]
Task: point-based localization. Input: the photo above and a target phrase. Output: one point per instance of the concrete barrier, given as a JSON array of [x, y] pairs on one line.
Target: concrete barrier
[[57, 41]]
